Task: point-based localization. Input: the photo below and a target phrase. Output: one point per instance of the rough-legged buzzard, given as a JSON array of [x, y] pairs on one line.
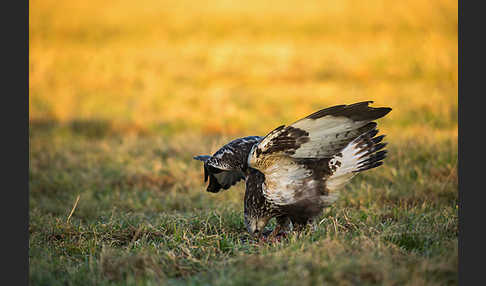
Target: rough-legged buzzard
[[296, 171]]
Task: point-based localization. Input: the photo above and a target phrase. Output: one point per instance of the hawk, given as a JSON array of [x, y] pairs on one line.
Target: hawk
[[296, 171]]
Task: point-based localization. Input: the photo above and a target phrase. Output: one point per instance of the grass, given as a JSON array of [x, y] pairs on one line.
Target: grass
[[144, 218], [122, 96]]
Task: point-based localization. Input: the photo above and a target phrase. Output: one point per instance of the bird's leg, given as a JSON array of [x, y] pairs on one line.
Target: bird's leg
[[312, 224], [298, 227], [301, 226], [283, 223], [273, 235]]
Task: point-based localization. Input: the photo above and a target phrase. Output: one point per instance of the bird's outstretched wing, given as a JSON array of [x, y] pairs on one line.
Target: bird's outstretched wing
[[228, 165], [218, 178], [311, 158]]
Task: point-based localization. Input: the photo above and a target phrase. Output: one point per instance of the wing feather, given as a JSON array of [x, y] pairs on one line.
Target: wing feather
[[296, 159], [323, 133], [227, 166], [363, 153]]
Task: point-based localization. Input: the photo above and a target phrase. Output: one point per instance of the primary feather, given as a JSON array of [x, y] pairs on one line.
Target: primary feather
[[228, 165], [306, 163], [297, 170]]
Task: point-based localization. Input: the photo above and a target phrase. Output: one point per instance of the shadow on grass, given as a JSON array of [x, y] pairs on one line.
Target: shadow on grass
[[102, 128], [89, 128]]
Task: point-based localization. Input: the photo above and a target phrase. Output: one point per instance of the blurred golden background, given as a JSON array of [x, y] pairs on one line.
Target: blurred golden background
[[193, 75], [243, 67]]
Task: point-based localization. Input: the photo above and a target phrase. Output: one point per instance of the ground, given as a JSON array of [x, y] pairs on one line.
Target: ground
[[143, 215], [122, 97]]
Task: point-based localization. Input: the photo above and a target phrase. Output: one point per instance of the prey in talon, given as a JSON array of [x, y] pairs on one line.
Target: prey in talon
[[270, 236]]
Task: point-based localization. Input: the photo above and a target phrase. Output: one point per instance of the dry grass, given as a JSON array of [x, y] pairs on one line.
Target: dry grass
[[397, 224]]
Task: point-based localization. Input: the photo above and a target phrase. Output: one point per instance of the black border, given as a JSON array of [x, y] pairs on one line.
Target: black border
[[16, 164], [460, 147], [470, 144], [15, 140]]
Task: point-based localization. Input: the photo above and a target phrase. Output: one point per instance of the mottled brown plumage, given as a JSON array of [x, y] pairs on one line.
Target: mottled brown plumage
[[296, 171], [228, 165]]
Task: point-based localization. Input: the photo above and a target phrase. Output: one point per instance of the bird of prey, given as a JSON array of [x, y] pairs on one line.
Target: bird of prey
[[296, 171]]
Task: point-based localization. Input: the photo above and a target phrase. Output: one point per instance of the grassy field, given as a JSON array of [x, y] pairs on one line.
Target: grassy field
[[122, 95]]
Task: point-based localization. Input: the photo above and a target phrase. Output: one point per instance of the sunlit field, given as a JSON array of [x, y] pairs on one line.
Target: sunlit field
[[123, 94]]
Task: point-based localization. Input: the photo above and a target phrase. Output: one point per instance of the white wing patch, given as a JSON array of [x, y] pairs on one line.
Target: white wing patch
[[326, 134], [358, 155], [283, 180], [311, 159], [344, 166]]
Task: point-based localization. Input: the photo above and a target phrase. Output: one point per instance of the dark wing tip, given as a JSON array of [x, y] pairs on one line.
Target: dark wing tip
[[227, 186], [382, 111], [372, 149], [357, 111], [203, 158], [378, 139], [362, 103], [214, 186]]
